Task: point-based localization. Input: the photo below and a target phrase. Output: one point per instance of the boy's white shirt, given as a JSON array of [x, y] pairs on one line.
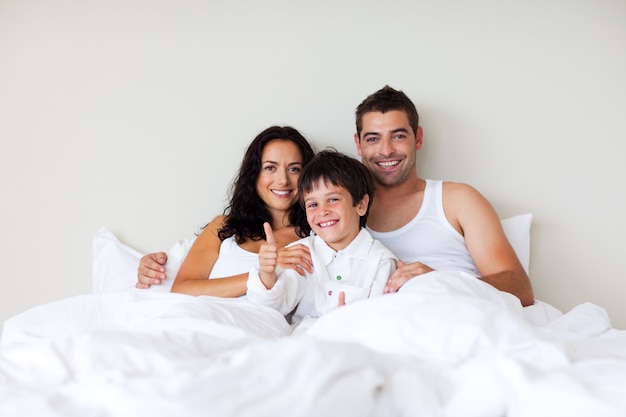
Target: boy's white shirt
[[361, 270]]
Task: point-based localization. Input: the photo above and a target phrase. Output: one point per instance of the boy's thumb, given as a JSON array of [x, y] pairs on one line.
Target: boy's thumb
[[269, 234]]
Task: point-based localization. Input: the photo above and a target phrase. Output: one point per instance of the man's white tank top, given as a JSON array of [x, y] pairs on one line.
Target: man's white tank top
[[429, 238]]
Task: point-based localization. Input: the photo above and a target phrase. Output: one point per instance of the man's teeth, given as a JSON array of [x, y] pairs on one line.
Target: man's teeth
[[386, 164], [280, 192]]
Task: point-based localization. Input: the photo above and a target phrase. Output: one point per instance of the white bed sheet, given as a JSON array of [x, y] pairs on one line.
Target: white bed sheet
[[446, 345]]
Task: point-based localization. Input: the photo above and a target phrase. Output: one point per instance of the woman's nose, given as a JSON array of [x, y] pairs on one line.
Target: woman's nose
[[283, 177]]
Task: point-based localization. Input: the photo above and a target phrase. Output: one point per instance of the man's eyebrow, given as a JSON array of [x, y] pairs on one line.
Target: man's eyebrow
[[398, 130]]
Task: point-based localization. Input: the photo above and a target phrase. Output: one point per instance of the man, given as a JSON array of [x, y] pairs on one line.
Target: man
[[429, 225]]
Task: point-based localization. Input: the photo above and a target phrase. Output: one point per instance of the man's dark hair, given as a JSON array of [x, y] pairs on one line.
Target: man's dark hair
[[384, 100]]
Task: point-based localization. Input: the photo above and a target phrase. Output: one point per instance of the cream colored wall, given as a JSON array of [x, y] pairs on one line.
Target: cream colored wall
[[134, 115]]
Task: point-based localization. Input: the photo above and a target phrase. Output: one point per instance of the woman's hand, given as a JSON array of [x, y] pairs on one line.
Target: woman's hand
[[296, 257]]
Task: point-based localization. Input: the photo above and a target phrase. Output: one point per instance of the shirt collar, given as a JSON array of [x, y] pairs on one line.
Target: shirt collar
[[358, 248]]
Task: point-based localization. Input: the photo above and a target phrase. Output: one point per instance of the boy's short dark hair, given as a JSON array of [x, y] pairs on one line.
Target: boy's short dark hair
[[340, 170], [384, 100]]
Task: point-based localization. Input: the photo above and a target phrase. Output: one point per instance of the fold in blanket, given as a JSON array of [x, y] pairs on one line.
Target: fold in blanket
[[447, 345]]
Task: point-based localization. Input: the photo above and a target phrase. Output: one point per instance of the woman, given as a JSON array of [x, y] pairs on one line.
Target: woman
[[265, 190]]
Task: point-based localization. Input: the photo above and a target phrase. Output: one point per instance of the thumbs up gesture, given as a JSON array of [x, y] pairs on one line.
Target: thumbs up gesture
[[268, 258]]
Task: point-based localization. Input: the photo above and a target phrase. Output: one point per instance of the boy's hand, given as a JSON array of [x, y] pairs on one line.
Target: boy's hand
[[342, 299], [268, 256]]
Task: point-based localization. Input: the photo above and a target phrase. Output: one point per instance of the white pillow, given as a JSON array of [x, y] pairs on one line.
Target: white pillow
[[115, 264], [517, 230]]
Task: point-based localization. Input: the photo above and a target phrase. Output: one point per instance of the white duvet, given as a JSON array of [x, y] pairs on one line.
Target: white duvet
[[446, 345]]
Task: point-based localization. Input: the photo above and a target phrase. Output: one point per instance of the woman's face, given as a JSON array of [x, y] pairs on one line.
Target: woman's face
[[277, 184]]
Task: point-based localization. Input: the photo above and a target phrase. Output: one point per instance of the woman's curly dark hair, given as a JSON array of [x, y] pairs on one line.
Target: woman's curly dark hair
[[246, 212]]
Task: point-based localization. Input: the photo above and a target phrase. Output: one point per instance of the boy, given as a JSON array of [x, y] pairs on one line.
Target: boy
[[348, 264]]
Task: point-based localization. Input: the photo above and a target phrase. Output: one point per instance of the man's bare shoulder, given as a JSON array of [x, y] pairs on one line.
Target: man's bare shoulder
[[461, 199], [459, 190]]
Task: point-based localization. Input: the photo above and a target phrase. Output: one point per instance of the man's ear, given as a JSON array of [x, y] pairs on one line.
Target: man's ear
[[418, 138], [357, 142], [361, 206]]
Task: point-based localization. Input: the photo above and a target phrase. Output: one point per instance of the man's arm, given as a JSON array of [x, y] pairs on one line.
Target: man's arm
[[474, 217]]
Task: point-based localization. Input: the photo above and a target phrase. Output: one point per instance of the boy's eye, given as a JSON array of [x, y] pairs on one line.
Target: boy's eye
[[311, 205]]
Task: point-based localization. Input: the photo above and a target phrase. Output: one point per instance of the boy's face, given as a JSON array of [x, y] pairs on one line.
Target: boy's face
[[332, 216]]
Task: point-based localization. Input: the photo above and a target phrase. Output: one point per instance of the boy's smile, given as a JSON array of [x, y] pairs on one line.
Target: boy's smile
[[332, 215]]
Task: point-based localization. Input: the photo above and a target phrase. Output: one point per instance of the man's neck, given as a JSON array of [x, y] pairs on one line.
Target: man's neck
[[394, 206]]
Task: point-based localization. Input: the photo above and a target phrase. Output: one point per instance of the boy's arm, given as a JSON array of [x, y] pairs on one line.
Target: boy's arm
[[269, 284], [386, 267], [283, 296]]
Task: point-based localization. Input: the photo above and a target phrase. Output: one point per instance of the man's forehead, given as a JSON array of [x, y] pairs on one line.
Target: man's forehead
[[388, 121]]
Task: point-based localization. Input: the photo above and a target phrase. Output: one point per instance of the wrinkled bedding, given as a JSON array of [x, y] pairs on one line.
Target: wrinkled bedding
[[446, 345]]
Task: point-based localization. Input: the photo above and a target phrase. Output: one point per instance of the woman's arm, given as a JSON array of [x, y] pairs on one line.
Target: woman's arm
[[192, 277]]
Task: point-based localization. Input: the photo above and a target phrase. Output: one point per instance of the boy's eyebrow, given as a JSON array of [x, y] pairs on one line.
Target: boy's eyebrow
[[328, 194]]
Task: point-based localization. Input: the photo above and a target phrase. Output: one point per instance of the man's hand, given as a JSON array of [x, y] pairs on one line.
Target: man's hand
[[404, 273], [151, 270]]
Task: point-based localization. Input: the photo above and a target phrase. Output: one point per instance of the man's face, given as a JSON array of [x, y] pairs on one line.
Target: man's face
[[387, 146]]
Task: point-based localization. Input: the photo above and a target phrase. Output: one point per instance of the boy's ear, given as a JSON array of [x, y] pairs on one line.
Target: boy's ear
[[361, 206]]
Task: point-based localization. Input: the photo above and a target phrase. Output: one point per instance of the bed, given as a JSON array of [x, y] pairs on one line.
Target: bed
[[445, 345]]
